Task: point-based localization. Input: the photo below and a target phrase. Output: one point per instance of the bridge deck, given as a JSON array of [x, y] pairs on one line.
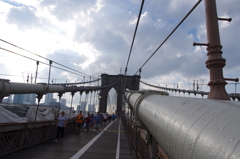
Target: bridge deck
[[109, 143]]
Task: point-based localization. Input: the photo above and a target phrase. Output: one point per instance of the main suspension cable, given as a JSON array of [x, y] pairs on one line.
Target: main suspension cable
[[39, 61], [170, 34], [139, 16], [41, 56]]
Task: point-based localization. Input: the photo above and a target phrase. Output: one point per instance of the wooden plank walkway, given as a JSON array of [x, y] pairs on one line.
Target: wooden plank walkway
[[110, 143]]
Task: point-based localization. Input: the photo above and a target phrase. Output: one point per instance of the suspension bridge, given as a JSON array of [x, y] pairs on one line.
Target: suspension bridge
[[151, 124]]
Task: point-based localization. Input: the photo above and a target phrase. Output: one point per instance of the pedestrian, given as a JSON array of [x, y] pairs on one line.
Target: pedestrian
[[113, 116], [79, 122], [109, 118], [92, 122], [88, 121], [97, 122], [105, 117], [61, 125], [101, 118]]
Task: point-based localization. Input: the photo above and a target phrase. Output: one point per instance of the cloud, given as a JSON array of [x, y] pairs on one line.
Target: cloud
[[24, 18], [66, 10]]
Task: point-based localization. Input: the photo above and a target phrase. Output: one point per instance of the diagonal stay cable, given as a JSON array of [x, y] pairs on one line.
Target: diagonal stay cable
[[139, 16], [170, 34], [41, 56], [39, 61]]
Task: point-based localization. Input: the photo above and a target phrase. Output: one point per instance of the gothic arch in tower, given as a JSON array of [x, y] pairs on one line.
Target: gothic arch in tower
[[121, 82]]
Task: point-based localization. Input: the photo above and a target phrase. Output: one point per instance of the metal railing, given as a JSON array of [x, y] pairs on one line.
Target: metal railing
[[16, 136], [137, 141]]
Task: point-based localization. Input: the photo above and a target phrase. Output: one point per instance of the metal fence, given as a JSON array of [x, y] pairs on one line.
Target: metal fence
[[139, 146], [17, 136], [138, 142]]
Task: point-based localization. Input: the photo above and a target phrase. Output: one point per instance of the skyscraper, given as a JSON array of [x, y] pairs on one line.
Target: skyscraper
[[20, 98], [48, 98]]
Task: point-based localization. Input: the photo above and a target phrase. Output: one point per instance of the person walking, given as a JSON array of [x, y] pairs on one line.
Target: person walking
[[61, 125], [109, 118], [92, 122], [105, 117], [79, 122], [88, 120], [97, 122], [113, 116]]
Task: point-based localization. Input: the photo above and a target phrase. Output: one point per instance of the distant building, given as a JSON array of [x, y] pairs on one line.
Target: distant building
[[24, 99], [82, 106], [48, 98], [31, 99], [20, 98], [54, 102], [91, 108], [63, 103]]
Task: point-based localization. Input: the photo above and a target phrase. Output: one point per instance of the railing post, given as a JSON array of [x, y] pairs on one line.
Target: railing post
[[152, 146]]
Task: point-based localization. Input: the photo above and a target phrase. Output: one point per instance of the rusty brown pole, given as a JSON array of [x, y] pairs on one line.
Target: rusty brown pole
[[215, 62]]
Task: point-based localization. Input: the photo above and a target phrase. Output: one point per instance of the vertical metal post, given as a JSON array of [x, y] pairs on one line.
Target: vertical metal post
[[136, 143], [130, 135], [58, 107], [39, 97], [215, 62], [50, 63], [235, 88], [152, 146], [83, 80], [36, 72]]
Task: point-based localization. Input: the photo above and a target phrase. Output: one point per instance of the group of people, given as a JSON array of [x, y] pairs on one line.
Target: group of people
[[91, 122]]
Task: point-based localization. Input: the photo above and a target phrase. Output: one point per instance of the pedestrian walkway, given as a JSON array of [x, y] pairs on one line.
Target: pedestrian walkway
[[110, 143]]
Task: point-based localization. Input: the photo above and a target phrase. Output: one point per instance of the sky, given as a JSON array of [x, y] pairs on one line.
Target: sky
[[95, 37]]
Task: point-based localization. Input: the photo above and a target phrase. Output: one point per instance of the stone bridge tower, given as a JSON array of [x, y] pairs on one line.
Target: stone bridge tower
[[122, 82]]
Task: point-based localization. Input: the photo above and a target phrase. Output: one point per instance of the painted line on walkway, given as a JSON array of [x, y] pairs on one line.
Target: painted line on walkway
[[118, 143], [81, 152], [113, 131]]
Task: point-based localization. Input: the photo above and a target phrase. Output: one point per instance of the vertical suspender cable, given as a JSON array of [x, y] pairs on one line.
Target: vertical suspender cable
[[86, 98], [72, 94], [80, 100], [91, 94], [90, 99], [94, 104]]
